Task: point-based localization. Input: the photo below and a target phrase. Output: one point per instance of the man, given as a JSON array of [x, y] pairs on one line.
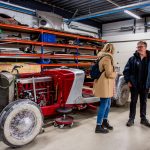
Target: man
[[137, 75]]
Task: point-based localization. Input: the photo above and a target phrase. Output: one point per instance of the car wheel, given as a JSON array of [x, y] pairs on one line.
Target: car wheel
[[123, 95], [21, 122]]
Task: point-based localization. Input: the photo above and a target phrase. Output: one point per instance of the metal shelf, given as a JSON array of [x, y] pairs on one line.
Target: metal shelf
[[55, 32], [18, 28], [9, 41], [68, 65], [47, 56], [25, 29]]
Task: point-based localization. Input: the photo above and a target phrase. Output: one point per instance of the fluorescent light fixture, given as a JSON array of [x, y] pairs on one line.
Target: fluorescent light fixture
[[132, 14]]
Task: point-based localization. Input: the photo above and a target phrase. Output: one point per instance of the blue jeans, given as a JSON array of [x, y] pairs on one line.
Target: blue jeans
[[103, 110]]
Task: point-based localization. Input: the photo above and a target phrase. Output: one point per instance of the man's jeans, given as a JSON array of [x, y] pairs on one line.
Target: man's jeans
[[103, 110]]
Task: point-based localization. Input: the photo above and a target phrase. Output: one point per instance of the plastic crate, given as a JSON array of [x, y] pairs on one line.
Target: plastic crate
[[44, 61], [48, 38]]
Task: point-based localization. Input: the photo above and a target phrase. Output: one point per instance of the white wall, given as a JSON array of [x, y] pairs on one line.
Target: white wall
[[111, 29], [125, 42]]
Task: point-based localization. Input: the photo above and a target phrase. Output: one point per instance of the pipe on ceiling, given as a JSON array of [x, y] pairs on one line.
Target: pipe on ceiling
[[17, 8], [111, 11]]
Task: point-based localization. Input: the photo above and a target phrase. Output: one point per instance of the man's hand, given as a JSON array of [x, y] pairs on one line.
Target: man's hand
[[129, 84]]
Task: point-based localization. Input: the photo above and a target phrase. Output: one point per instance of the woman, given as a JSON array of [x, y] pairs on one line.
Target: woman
[[103, 87]]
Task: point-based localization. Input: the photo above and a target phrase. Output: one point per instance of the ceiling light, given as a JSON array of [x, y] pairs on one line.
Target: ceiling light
[[132, 14]]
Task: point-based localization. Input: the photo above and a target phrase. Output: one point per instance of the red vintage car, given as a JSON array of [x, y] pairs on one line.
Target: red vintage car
[[26, 98]]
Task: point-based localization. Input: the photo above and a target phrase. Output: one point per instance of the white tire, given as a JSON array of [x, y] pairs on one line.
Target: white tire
[[122, 92], [123, 95], [21, 122]]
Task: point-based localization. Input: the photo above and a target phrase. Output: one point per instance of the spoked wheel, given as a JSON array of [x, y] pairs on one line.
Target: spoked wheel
[[21, 122]]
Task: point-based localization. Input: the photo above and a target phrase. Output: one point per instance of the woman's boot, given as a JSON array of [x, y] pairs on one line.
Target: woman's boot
[[106, 124], [100, 129]]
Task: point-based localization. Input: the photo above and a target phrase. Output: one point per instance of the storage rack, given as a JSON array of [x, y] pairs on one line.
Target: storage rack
[[25, 29]]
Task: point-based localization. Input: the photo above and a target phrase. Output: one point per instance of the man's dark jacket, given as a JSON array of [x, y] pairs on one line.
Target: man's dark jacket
[[131, 73]]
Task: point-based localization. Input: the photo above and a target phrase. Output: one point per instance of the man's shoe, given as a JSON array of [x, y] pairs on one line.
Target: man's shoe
[[107, 125], [100, 129], [145, 122], [130, 122]]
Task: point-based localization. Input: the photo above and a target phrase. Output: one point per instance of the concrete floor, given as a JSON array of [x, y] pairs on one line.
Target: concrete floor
[[82, 136]]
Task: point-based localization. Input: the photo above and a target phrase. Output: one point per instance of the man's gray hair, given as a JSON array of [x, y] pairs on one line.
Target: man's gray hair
[[142, 42]]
